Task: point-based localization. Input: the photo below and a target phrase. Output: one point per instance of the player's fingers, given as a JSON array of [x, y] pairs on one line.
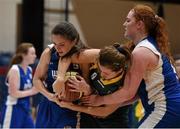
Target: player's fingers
[[74, 90], [72, 81], [72, 86], [79, 77]]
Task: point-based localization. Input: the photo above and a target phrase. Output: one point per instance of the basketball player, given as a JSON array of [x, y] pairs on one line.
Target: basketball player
[[65, 39], [16, 110]]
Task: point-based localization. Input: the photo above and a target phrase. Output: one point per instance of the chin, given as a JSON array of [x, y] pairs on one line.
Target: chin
[[61, 54]]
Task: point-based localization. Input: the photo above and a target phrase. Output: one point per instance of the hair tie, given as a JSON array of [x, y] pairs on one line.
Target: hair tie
[[122, 51]]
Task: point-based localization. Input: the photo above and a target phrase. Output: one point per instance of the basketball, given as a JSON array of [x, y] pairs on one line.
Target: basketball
[[69, 95]]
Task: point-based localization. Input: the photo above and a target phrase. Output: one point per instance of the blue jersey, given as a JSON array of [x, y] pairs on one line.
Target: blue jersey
[[53, 67], [50, 115], [15, 106], [159, 91], [119, 118]]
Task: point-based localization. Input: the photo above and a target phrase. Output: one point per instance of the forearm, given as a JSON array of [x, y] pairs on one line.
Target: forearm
[[122, 96], [22, 94], [40, 87], [96, 111], [131, 101]]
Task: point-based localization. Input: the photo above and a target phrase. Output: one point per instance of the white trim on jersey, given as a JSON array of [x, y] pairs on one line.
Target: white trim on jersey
[[8, 115], [154, 89], [10, 99]]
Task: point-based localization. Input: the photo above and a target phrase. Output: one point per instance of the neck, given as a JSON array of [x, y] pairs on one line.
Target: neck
[[139, 38], [24, 65]]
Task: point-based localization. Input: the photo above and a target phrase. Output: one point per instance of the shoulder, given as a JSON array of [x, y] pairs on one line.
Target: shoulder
[[146, 56], [14, 70], [45, 56], [86, 56]]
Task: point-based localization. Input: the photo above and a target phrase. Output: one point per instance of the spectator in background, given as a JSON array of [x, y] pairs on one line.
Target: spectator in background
[[16, 109]]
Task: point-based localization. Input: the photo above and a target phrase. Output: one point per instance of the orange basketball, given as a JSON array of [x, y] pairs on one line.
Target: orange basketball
[[69, 95]]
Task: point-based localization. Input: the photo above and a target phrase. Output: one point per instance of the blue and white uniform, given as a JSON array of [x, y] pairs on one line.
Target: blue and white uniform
[[16, 111], [159, 92], [50, 115]]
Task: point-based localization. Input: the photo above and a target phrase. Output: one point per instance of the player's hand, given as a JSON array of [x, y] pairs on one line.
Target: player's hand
[[52, 97], [78, 84], [64, 104]]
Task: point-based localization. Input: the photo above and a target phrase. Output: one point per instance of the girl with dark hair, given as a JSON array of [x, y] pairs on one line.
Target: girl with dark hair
[[16, 110], [65, 42]]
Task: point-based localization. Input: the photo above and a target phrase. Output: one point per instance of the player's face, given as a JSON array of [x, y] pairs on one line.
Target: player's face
[[107, 73], [62, 45], [30, 56], [130, 26]]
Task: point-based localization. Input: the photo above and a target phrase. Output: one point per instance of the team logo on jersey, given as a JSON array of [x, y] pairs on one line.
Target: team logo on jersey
[[54, 74], [93, 76], [28, 85]]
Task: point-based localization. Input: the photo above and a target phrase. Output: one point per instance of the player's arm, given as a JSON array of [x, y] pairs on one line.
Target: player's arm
[[14, 83], [142, 60], [41, 72], [102, 111], [63, 66], [86, 56]]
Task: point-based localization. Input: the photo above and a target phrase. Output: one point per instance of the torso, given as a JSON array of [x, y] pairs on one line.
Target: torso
[[159, 89], [25, 82], [53, 67]]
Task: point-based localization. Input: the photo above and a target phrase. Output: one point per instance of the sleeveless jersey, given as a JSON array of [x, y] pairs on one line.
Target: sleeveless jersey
[[51, 115], [53, 67], [16, 111], [25, 83], [159, 91], [104, 87], [119, 118]]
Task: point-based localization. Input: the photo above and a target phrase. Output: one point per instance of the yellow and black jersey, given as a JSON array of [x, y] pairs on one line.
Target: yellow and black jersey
[[102, 86], [119, 118]]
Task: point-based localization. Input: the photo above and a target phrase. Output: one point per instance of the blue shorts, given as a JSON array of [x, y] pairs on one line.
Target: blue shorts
[[50, 115], [15, 116], [169, 119]]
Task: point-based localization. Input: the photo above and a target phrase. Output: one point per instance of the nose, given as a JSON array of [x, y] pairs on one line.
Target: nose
[[124, 24], [58, 48]]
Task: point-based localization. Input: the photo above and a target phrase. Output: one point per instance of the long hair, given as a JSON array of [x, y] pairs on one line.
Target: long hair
[[68, 31], [20, 51], [115, 57], [155, 26]]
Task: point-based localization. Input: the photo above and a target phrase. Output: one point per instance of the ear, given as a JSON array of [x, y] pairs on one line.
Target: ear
[[75, 41], [140, 24]]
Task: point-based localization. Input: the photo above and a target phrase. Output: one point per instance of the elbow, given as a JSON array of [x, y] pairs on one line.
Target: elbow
[[13, 94]]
